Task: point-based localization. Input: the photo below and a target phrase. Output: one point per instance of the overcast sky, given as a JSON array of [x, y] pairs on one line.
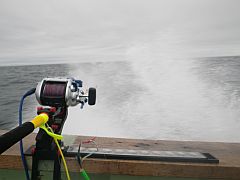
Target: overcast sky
[[33, 31]]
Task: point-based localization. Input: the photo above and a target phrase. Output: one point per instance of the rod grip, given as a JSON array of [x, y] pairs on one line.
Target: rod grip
[[12, 137]]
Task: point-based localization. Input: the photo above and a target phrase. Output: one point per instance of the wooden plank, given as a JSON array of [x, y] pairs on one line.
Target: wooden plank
[[227, 153]]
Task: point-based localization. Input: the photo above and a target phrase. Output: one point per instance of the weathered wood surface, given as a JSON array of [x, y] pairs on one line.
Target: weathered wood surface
[[227, 153]]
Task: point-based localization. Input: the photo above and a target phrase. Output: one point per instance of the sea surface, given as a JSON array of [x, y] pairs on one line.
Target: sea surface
[[168, 98]]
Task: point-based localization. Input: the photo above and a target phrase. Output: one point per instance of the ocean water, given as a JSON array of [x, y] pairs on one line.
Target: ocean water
[[15, 82], [167, 98]]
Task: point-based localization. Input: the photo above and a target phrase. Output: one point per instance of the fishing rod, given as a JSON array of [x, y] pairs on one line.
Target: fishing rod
[[12, 137], [56, 95]]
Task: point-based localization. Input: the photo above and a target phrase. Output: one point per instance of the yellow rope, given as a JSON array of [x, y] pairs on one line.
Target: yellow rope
[[64, 161], [56, 137]]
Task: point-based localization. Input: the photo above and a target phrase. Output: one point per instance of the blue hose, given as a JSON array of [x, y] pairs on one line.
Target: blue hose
[[30, 92]]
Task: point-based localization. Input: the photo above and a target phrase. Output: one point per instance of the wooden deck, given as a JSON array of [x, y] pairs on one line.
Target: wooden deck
[[227, 153]]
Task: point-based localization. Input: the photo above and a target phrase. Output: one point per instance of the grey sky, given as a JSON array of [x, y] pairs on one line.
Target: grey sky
[[34, 31]]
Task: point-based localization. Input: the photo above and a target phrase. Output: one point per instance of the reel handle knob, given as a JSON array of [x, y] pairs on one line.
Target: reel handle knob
[[92, 96]]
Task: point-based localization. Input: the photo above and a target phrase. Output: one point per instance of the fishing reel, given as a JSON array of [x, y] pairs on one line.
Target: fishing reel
[[58, 94], [63, 92]]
